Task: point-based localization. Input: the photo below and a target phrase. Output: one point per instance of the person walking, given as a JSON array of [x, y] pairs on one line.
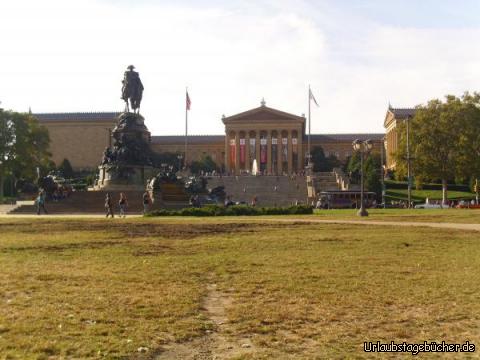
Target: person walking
[[108, 205], [123, 203], [146, 202], [40, 200]]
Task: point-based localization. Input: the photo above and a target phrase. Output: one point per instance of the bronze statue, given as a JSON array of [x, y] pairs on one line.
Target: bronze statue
[[132, 89]]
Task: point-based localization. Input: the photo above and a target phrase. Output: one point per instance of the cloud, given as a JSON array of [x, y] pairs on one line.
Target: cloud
[[70, 56]]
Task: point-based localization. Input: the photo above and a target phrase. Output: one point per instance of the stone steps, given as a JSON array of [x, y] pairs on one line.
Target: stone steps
[[87, 202], [269, 190]]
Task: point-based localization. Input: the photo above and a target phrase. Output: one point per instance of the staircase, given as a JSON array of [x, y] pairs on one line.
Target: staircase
[[269, 190], [325, 181], [89, 202]]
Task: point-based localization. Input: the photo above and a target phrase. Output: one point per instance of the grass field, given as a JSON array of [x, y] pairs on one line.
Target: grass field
[[471, 216], [232, 288], [421, 195]]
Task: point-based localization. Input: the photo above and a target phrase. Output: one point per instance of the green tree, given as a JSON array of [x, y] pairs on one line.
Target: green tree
[[7, 138], [322, 163], [66, 169], [373, 170], [205, 164], [23, 148], [444, 140]]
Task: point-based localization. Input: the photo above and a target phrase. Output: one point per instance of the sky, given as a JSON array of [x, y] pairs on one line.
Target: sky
[[357, 56]]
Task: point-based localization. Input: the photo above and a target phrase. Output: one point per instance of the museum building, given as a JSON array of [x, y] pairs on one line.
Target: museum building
[[275, 140]]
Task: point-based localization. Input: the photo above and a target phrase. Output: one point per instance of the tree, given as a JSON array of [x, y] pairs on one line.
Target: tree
[[66, 169], [7, 137], [321, 163], [373, 170], [444, 140], [205, 164], [23, 148]]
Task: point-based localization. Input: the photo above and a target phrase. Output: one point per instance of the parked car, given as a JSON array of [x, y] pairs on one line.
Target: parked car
[[431, 206]]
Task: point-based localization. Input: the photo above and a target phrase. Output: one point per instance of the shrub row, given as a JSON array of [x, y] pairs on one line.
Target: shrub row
[[236, 210]]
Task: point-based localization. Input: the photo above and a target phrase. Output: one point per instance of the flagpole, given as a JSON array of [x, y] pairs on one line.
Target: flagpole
[[186, 128], [309, 122]]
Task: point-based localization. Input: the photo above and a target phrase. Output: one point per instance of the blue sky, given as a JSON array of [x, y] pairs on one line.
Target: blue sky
[[357, 55]]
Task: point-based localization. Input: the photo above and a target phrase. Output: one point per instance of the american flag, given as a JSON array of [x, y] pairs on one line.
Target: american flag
[[313, 97], [188, 102]]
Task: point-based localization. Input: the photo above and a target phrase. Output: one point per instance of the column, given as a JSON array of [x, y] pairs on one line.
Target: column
[[300, 150], [290, 152], [237, 152], [247, 151], [257, 148], [279, 153], [227, 151], [269, 152]]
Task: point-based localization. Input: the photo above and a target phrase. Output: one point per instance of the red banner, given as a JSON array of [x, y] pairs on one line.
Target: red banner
[[294, 145], [233, 155], [242, 151], [284, 149], [263, 151]]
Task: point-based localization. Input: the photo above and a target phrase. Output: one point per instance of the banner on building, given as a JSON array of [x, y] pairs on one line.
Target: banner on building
[[263, 151], [233, 155], [274, 153], [253, 150], [284, 149], [242, 151], [294, 145]]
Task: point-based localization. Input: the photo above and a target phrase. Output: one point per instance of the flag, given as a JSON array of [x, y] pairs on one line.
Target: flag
[[312, 97], [188, 102]]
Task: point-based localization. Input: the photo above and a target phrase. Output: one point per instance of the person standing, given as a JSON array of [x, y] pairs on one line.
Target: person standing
[[146, 202], [123, 203], [40, 200], [108, 205]]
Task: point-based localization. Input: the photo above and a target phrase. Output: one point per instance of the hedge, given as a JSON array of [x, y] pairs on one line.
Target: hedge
[[236, 210]]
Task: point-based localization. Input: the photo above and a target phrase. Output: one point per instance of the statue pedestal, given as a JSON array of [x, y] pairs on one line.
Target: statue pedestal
[[132, 177]]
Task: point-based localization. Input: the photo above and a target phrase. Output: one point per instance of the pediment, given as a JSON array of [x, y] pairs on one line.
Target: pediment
[[263, 114]]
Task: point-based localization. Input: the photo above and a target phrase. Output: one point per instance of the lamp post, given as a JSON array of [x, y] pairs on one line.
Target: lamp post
[[179, 157], [363, 148]]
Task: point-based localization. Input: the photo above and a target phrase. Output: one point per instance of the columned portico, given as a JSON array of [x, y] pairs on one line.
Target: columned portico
[[271, 137]]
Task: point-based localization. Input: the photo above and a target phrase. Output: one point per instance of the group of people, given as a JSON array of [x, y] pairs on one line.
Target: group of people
[[123, 204]]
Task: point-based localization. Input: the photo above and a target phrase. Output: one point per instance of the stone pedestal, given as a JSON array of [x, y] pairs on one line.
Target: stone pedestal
[[132, 177], [128, 165]]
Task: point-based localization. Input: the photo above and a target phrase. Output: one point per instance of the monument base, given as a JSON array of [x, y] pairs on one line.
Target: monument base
[[129, 177]]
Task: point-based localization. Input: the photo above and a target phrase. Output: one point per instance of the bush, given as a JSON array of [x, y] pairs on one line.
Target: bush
[[236, 210]]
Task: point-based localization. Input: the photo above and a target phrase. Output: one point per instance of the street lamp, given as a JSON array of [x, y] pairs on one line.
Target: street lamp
[[363, 148]]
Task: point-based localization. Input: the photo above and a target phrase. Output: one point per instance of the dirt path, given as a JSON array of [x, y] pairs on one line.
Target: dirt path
[[458, 226], [216, 343]]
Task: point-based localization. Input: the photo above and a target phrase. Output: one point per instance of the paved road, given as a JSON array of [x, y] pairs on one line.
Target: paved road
[[459, 226]]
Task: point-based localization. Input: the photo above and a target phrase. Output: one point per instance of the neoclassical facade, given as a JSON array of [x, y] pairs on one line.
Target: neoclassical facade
[[393, 118], [274, 139], [270, 138]]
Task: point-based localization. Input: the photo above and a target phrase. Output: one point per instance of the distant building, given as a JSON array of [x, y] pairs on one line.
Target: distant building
[[275, 139], [393, 118]]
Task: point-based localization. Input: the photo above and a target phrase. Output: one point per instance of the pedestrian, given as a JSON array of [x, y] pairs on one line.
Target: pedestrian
[[254, 201], [108, 206], [40, 200], [123, 203], [146, 202]]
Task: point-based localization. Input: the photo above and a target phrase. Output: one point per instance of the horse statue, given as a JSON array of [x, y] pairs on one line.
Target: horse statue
[[132, 89]]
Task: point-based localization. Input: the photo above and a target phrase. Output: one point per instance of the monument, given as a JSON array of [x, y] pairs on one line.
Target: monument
[[128, 165]]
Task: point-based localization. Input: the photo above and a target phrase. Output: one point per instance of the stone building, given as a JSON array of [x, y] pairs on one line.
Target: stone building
[[393, 118], [275, 139]]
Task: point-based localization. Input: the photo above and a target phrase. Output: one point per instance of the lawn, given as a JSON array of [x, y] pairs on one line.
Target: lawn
[[240, 288], [421, 195], [471, 216]]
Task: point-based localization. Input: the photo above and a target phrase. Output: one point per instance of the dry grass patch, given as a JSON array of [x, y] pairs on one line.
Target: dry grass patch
[[92, 288]]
